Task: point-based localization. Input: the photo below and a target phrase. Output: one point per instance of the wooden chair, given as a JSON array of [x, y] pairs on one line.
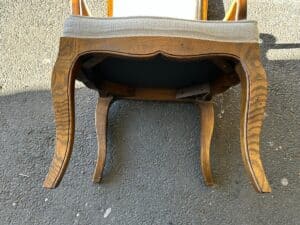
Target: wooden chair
[[158, 58]]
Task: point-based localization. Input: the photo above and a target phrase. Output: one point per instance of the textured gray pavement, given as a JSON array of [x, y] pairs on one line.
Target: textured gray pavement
[[152, 174]]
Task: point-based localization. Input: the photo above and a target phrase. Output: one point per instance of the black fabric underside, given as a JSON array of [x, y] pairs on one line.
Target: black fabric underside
[[156, 72]]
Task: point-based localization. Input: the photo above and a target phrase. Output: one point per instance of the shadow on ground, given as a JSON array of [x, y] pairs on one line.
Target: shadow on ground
[[152, 174]]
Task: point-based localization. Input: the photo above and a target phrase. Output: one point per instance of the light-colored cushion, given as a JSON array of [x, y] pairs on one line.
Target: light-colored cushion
[[92, 27], [183, 9]]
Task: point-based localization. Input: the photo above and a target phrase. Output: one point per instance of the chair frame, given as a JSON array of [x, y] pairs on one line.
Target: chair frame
[[249, 70], [237, 10]]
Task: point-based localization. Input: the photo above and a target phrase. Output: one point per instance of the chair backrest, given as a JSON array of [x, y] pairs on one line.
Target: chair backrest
[[184, 9]]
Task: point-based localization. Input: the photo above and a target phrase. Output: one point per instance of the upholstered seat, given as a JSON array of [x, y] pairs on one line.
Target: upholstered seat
[[93, 27]]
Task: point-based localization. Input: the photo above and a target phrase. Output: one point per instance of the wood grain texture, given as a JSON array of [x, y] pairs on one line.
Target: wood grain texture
[[152, 94], [101, 127], [253, 104], [207, 125], [63, 103], [253, 89], [143, 47]]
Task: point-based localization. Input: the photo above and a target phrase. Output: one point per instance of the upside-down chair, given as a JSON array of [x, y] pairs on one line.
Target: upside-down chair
[[165, 53]]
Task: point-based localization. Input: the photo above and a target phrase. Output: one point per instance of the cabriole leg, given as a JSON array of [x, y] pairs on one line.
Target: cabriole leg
[[101, 127], [62, 88], [253, 104], [207, 126]]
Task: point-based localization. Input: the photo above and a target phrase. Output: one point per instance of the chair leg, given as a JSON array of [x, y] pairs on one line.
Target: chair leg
[[62, 88], [253, 103], [101, 127], [207, 126]]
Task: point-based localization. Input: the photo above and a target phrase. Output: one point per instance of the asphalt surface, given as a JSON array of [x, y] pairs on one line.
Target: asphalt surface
[[152, 174]]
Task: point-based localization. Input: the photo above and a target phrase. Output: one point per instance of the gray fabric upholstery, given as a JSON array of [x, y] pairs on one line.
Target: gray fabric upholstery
[[92, 27]]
